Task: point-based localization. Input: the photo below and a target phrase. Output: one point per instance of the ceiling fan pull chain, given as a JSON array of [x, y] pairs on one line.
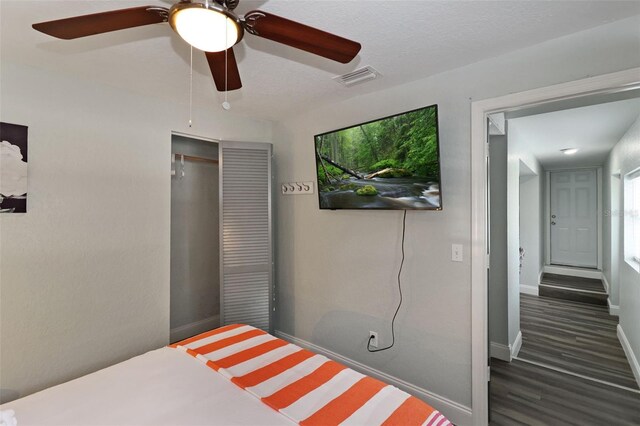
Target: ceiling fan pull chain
[[191, 86], [226, 74], [226, 105]]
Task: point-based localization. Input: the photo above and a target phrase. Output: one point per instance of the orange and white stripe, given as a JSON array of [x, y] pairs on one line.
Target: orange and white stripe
[[308, 388], [269, 379]]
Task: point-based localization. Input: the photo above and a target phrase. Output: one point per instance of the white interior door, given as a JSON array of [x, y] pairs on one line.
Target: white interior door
[[574, 218]]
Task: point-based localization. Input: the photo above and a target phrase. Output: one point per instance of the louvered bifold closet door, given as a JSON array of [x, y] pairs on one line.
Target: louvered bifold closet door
[[246, 254]]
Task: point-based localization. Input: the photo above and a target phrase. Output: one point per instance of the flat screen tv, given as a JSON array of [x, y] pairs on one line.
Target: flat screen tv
[[390, 163]]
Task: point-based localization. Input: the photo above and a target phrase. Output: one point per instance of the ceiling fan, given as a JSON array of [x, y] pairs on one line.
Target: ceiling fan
[[213, 27]]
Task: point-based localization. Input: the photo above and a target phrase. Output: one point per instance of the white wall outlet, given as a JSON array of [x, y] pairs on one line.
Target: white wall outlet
[[373, 339], [296, 188], [456, 252]]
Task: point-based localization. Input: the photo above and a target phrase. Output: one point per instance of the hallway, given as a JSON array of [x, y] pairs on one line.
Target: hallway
[[527, 394], [571, 368], [573, 336], [564, 349]]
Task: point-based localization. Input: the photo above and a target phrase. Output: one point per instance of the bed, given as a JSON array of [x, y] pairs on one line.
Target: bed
[[233, 375]]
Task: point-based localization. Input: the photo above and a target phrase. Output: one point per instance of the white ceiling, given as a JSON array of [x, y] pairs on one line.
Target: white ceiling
[[404, 40], [594, 130]]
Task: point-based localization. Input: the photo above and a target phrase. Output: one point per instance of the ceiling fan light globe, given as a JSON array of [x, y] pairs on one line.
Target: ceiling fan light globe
[[205, 27]]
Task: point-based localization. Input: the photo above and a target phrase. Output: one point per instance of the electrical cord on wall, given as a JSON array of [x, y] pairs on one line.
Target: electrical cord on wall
[[393, 334]]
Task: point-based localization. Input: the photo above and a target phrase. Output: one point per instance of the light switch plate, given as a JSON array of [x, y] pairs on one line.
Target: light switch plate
[[456, 252]]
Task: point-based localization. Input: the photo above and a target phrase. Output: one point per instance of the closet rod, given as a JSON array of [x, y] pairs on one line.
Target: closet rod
[[194, 158]]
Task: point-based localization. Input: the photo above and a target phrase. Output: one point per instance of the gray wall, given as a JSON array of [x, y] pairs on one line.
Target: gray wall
[[530, 221], [195, 241], [612, 189], [515, 222], [513, 241], [498, 288], [530, 214], [542, 238], [523, 171], [85, 273], [625, 157], [336, 269]]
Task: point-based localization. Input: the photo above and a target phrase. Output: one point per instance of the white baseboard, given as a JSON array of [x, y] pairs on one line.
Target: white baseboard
[[574, 272], [529, 289], [628, 351], [506, 352], [517, 344], [455, 412], [500, 351], [193, 328], [607, 287], [613, 309]]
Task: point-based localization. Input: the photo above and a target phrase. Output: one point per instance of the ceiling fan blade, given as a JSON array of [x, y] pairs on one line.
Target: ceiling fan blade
[[217, 65], [301, 36], [97, 23]]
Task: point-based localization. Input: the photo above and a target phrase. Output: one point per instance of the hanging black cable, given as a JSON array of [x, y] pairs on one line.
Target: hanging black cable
[[393, 334]]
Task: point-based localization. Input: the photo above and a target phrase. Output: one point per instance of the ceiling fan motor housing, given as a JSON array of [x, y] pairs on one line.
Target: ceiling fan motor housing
[[229, 4]]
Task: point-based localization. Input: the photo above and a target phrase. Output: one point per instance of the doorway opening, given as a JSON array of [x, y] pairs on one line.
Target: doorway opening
[[561, 97], [555, 307], [195, 241]]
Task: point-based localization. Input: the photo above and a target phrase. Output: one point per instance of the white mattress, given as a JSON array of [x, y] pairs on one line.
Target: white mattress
[[161, 387]]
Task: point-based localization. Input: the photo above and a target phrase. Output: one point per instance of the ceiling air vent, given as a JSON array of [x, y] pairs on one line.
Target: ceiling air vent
[[358, 76]]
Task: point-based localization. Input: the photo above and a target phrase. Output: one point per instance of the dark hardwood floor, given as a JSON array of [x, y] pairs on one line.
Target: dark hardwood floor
[[585, 290], [526, 394], [577, 337], [576, 283]]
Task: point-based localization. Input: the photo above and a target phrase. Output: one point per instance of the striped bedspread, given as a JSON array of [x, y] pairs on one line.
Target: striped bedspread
[[308, 388]]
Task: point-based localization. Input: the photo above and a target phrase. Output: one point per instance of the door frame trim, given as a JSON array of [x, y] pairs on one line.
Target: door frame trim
[[618, 81], [599, 218]]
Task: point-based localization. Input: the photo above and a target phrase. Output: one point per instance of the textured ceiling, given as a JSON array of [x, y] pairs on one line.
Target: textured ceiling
[[594, 130], [404, 40]]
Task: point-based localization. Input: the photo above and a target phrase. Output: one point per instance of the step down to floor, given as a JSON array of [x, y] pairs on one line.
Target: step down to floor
[[577, 289]]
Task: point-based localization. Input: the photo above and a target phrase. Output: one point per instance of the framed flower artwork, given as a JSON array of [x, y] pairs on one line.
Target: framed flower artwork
[[13, 168]]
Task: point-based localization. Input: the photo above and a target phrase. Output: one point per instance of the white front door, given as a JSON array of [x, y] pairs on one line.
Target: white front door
[[574, 218]]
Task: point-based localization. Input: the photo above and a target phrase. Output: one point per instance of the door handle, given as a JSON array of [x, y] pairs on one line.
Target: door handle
[[553, 216], [553, 223]]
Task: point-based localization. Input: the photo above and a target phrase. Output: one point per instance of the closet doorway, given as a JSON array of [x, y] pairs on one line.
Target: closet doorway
[[221, 235], [195, 237]]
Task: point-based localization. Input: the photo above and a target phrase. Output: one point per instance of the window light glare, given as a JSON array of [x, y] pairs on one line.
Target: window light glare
[[205, 29], [569, 151], [631, 238]]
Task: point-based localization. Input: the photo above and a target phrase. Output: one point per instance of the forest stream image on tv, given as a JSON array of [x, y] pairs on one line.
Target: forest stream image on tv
[[391, 163]]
